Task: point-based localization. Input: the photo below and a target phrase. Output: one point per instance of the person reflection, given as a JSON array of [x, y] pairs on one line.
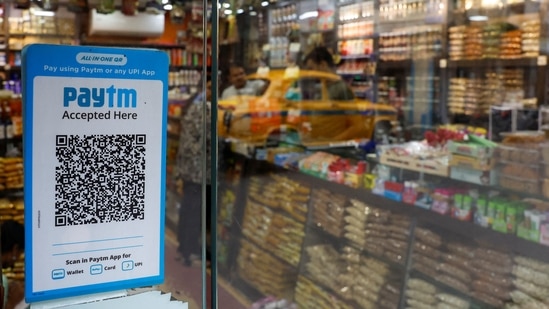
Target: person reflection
[[240, 85], [190, 175]]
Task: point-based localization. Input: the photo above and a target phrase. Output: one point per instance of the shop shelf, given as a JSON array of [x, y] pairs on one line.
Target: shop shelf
[[407, 20], [524, 7], [507, 242], [339, 241], [358, 37], [369, 18], [474, 303], [350, 57], [493, 63], [330, 290], [42, 35], [12, 192]]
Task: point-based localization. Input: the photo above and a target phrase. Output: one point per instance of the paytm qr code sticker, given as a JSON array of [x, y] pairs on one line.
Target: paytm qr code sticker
[[95, 149], [99, 178]]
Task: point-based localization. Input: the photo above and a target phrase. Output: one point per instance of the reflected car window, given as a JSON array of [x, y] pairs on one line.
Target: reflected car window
[[305, 89], [338, 90]]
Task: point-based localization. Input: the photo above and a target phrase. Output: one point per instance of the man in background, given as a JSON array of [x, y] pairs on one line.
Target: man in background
[[240, 85]]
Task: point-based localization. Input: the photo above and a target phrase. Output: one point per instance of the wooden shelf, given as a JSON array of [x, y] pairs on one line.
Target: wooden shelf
[[370, 18], [477, 233], [406, 64], [43, 35], [355, 57], [359, 37], [489, 63]]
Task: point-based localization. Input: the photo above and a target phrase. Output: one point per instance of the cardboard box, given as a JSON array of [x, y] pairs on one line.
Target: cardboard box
[[482, 164], [471, 150], [430, 166]]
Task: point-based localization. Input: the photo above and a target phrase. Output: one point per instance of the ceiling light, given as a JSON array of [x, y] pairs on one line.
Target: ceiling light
[[264, 3], [478, 18], [239, 11], [168, 7], [165, 1], [226, 5], [43, 13], [228, 12], [253, 13], [310, 14]]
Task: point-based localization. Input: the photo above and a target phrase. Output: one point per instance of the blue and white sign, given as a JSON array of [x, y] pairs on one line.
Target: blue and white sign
[[94, 145]]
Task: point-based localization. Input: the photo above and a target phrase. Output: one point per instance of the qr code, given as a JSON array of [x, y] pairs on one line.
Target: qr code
[[99, 179]]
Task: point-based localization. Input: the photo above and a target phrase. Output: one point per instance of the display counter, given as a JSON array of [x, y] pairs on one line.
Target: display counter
[[358, 240]]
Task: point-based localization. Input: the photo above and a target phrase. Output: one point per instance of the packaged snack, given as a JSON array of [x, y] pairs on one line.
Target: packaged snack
[[443, 305], [455, 301], [354, 230], [456, 260], [366, 297], [428, 237], [490, 289], [422, 259], [480, 217], [494, 256], [426, 269], [531, 275], [421, 285], [371, 278], [461, 250], [500, 280], [388, 303], [531, 289], [417, 304], [395, 257], [455, 272], [490, 266], [520, 297], [425, 298], [531, 263], [377, 266], [453, 283], [425, 250], [487, 299]]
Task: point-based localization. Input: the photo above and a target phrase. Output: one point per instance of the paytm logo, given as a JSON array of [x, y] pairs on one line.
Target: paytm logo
[[99, 58], [100, 97]]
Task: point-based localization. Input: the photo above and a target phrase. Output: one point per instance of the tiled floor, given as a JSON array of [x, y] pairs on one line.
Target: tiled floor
[[185, 282]]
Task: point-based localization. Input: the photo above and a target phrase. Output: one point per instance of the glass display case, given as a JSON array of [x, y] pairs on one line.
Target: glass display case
[[425, 188]]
